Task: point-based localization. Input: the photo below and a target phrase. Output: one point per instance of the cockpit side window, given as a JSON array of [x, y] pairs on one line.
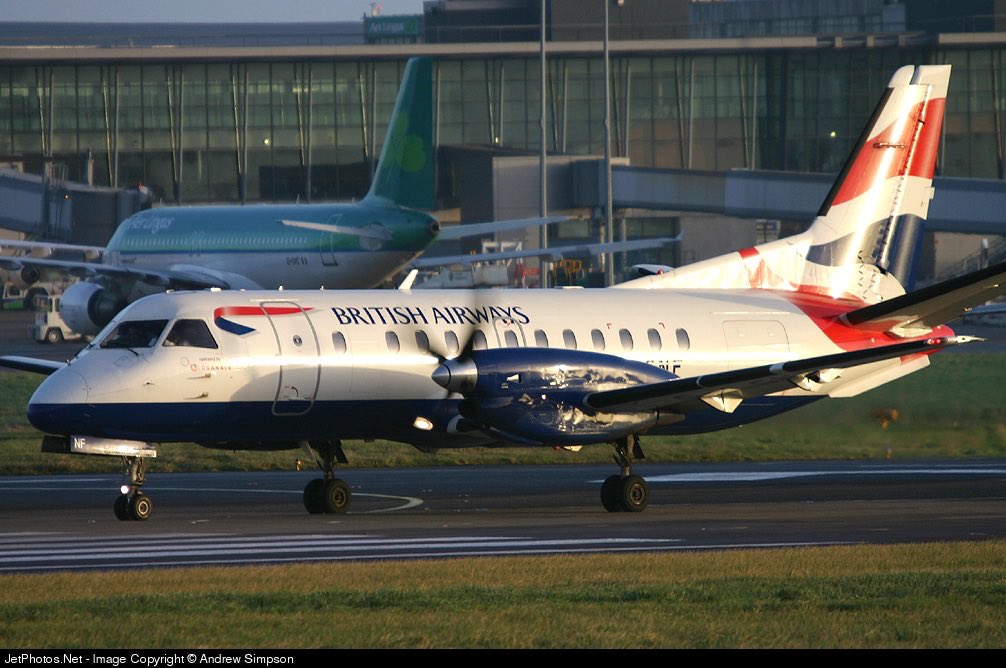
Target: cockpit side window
[[135, 334], [192, 333]]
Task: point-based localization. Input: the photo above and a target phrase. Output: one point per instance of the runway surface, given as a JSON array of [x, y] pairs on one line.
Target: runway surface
[[66, 522]]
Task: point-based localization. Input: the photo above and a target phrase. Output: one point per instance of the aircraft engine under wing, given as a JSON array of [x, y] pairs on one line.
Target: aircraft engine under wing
[[726, 390]]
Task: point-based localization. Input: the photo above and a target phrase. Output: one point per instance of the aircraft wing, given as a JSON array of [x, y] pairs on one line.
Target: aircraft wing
[[45, 249], [915, 313], [552, 253], [82, 269], [455, 232], [44, 367], [726, 390]]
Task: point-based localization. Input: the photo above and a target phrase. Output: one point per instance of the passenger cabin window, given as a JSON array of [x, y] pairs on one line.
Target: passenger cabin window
[[569, 339], [597, 338], [540, 338], [392, 340], [451, 339], [422, 341], [654, 337], [684, 343], [190, 333], [625, 337], [479, 341], [339, 342], [134, 334], [510, 338]]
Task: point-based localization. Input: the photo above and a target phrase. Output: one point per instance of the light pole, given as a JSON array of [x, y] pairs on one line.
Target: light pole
[[543, 204], [609, 263]]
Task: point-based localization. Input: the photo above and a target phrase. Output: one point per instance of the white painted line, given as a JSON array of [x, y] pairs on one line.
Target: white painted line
[[430, 555], [227, 551], [752, 476], [223, 543]]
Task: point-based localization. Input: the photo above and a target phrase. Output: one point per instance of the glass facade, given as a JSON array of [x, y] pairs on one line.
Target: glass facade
[[272, 130]]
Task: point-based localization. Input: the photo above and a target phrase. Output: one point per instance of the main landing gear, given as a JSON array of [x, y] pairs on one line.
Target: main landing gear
[[625, 492], [328, 494], [132, 503]]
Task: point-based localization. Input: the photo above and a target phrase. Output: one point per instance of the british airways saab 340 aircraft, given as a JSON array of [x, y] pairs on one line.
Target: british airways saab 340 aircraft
[[711, 345]]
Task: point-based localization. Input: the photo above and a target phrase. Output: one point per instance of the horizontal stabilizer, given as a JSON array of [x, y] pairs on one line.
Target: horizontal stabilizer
[[44, 367], [727, 389], [918, 312]]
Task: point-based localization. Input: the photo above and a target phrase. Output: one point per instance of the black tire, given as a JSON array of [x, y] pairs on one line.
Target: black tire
[[121, 508], [140, 507], [54, 336], [312, 496], [611, 493], [336, 496], [635, 494]]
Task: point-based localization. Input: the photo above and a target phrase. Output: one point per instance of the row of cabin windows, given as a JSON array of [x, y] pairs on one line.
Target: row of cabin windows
[[510, 340]]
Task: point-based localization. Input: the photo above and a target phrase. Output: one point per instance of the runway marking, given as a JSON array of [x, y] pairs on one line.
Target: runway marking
[[754, 476], [482, 548], [410, 502], [92, 553], [407, 501], [282, 546], [48, 481]]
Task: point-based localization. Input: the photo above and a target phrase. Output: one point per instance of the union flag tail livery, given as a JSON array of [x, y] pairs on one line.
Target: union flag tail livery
[[864, 242]]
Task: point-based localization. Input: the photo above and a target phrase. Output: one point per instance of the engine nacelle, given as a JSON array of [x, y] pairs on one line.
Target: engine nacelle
[[28, 275], [87, 307], [536, 395]]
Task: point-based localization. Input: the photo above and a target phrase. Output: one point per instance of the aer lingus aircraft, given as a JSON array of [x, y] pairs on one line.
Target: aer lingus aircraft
[[306, 246], [711, 345]]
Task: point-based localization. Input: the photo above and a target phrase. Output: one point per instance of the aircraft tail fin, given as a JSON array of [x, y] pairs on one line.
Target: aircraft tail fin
[[404, 175], [865, 241], [872, 220]]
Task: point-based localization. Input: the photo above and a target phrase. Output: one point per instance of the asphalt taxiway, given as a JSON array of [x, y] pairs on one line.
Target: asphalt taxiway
[[66, 522]]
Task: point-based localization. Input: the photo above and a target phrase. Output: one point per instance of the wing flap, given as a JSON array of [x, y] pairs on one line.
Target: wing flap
[[918, 312], [726, 390]]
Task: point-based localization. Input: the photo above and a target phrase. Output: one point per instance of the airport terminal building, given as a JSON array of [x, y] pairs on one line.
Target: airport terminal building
[[256, 113]]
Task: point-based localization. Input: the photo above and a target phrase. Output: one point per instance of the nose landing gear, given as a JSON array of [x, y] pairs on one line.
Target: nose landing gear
[[132, 503]]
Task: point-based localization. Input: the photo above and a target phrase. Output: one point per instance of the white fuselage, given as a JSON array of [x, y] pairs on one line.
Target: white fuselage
[[292, 365]]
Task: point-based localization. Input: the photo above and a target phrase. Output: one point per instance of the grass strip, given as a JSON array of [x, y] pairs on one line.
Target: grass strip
[[947, 595]]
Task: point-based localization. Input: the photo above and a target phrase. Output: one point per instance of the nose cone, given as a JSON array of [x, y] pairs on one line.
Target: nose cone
[[456, 375], [57, 403]]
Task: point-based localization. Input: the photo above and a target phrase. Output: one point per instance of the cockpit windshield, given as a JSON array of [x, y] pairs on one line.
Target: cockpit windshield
[[134, 334], [192, 333]]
